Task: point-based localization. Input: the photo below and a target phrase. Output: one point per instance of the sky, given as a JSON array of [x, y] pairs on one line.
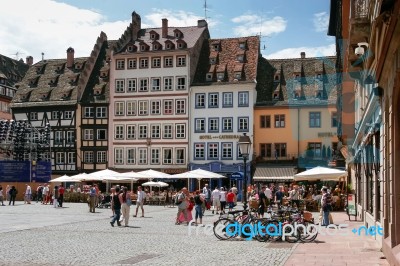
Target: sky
[[286, 27]]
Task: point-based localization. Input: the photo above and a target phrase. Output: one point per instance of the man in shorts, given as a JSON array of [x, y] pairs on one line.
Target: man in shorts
[[182, 206], [230, 199], [141, 196], [215, 197]]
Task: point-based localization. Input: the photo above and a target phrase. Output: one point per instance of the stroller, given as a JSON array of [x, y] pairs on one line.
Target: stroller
[[105, 202]]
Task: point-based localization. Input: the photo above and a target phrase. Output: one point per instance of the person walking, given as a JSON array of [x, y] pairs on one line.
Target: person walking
[[262, 202], [215, 196], [182, 206], [207, 195], [46, 191], [13, 194], [326, 206], [55, 196], [141, 196], [124, 205], [61, 191], [198, 201], [8, 192], [222, 199], [92, 199], [230, 199], [1, 196], [28, 194], [117, 207], [39, 191]]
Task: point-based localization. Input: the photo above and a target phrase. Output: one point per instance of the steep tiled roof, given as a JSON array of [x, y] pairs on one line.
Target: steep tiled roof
[[12, 70], [228, 52], [301, 81]]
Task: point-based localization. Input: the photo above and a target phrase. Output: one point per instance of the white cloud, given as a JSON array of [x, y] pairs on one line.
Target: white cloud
[[321, 22], [253, 24], [329, 50]]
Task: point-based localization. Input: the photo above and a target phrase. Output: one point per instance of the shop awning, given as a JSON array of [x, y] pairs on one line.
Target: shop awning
[[281, 174]]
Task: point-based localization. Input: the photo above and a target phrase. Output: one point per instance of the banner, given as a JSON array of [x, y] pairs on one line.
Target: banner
[[25, 171]]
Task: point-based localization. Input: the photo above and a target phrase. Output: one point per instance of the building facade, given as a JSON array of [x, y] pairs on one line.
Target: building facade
[[367, 36], [150, 75]]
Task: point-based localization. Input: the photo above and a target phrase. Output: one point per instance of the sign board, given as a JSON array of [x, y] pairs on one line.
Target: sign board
[[351, 205], [25, 171], [237, 176]]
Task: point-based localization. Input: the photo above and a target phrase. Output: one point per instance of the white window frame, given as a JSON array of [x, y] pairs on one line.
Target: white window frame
[[180, 131], [88, 134], [89, 112], [119, 85], [98, 134], [131, 108], [168, 83], [142, 155], [131, 156], [181, 61], [118, 155], [88, 156], [180, 106], [101, 112], [168, 61], [177, 159], [168, 107], [119, 108], [181, 83], [156, 84], [131, 85], [143, 108], [132, 63], [119, 131], [144, 63], [101, 156], [167, 160], [155, 131], [130, 131], [143, 85], [155, 156], [143, 131], [167, 131]]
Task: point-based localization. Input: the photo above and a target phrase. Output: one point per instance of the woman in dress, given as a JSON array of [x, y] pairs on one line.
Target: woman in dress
[[124, 206], [190, 205]]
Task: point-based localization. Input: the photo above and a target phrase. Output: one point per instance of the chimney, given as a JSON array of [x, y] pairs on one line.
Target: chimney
[[29, 60], [164, 28], [70, 57], [303, 55], [201, 23], [136, 25]]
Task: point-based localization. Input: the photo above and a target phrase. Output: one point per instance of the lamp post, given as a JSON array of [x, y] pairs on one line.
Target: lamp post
[[244, 147]]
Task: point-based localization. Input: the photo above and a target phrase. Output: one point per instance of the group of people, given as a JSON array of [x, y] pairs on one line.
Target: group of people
[[11, 194], [46, 195]]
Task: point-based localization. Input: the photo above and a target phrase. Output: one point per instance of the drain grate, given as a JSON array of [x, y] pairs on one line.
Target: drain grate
[[138, 258]]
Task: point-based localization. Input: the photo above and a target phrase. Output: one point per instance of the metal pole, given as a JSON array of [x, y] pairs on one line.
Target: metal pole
[[244, 184]]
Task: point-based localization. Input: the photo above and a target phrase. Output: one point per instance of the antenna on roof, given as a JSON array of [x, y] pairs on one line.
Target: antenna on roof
[[260, 36], [16, 55], [42, 56], [205, 10]]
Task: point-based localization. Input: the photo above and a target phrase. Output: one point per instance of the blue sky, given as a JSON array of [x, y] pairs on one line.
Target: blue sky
[[287, 27]]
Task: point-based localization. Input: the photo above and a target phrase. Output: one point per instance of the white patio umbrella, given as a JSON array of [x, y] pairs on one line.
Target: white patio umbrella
[[199, 174], [162, 184], [101, 175], [63, 179], [151, 174], [132, 176], [320, 173], [78, 177]]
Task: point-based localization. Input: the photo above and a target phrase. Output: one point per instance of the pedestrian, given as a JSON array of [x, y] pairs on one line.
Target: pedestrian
[[39, 191], [92, 199], [141, 196], [55, 196], [207, 194], [182, 206], [1, 196], [198, 201], [117, 208], [61, 191], [28, 194], [124, 205], [326, 206], [215, 197], [46, 191], [13, 194], [230, 199], [8, 192], [235, 191], [222, 199], [262, 201], [112, 205], [279, 196]]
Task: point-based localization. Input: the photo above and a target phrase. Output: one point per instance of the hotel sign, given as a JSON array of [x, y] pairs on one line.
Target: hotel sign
[[219, 137], [326, 134]]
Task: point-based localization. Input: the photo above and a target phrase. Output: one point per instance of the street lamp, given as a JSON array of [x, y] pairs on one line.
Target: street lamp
[[244, 147]]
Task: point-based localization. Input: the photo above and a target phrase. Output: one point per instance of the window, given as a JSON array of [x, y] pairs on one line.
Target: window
[[88, 156], [209, 77], [181, 83], [200, 99], [142, 131], [243, 99], [71, 158], [155, 131], [119, 85], [200, 124], [101, 112], [87, 134], [227, 99], [168, 61], [227, 150], [34, 116], [60, 158], [142, 156], [67, 115], [130, 131], [199, 151], [213, 100], [58, 137], [120, 64], [220, 76], [144, 62], [155, 107], [242, 45], [156, 62], [131, 108], [180, 107], [131, 85], [132, 63], [119, 132], [155, 156], [315, 119], [167, 156], [143, 107], [70, 137], [227, 124], [266, 150], [243, 124], [101, 134], [130, 156], [334, 122], [101, 156], [56, 115], [279, 120], [168, 83], [213, 125], [180, 156], [265, 121], [280, 150], [167, 132], [118, 155], [240, 58], [89, 112], [180, 131], [314, 150], [181, 61], [213, 151], [155, 84], [168, 107], [119, 108], [143, 84]]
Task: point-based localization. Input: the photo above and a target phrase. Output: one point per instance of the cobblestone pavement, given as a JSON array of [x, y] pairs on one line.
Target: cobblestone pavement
[[39, 234]]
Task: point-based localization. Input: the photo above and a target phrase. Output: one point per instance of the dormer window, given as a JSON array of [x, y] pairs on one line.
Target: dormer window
[[213, 61], [142, 47], [216, 47], [44, 96], [238, 75], [168, 46], [240, 58], [78, 65], [220, 76], [209, 77], [104, 74], [97, 92], [319, 76], [242, 45], [130, 48], [276, 78], [276, 96], [297, 94], [39, 69], [153, 36], [177, 34]]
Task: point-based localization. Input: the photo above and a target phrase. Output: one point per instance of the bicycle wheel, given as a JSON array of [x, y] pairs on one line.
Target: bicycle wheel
[[310, 234], [222, 232], [262, 234], [291, 235], [273, 230]]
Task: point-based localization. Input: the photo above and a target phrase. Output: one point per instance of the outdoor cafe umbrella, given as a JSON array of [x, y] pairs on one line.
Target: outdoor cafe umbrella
[[155, 184], [63, 179], [320, 173], [151, 174], [198, 174], [132, 176], [101, 175]]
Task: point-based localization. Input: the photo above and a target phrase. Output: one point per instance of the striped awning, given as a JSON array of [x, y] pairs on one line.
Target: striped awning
[[281, 174]]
